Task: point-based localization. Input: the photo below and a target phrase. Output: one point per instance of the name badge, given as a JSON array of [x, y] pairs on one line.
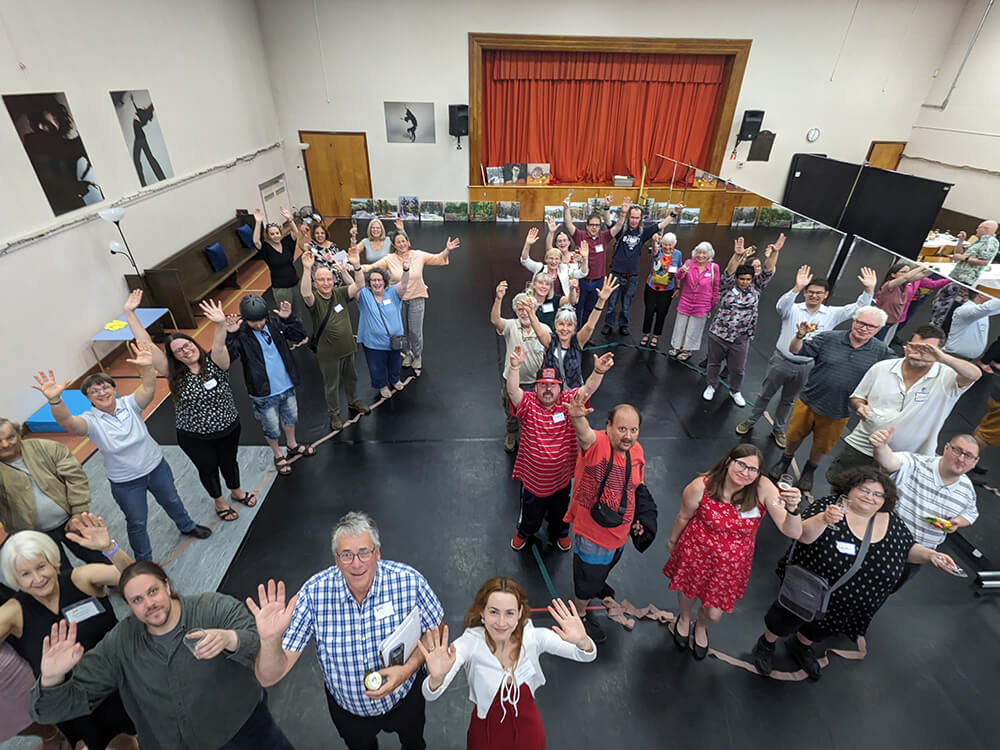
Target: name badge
[[558, 417], [752, 513], [384, 610], [387, 301], [846, 548], [598, 248], [672, 269], [83, 610], [123, 415], [210, 384], [538, 346], [707, 274], [547, 307], [920, 397]]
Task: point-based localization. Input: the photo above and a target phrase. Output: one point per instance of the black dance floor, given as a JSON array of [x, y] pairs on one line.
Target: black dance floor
[[429, 466]]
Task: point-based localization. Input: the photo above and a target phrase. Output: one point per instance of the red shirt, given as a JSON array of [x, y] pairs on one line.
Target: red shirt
[[548, 448], [591, 465], [597, 261]]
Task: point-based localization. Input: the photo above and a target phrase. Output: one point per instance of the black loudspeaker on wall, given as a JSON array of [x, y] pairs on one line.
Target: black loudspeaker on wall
[[458, 119], [752, 120]]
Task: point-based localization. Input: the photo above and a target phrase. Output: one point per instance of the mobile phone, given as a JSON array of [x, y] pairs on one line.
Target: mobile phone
[[396, 656]]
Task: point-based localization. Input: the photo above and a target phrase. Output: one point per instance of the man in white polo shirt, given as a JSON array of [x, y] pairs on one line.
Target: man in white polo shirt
[[930, 487], [915, 394], [133, 461]]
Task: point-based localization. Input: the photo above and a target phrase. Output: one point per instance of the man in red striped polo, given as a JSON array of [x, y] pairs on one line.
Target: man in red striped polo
[[547, 455]]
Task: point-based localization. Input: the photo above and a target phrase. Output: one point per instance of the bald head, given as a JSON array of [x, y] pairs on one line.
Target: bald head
[[986, 228]]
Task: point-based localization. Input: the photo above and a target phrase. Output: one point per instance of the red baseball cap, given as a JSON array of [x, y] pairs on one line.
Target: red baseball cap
[[548, 375]]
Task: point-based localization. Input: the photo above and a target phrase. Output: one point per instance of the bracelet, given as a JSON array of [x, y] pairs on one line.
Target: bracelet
[[56, 402], [792, 512], [799, 336], [113, 552], [598, 308], [515, 367]]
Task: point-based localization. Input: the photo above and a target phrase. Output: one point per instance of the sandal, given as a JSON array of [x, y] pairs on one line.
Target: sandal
[[674, 352], [644, 341], [227, 513], [282, 465], [685, 355], [247, 500], [301, 449], [654, 342], [385, 392]]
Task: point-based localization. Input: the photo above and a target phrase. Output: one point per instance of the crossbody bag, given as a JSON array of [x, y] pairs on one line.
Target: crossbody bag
[[602, 513], [396, 343]]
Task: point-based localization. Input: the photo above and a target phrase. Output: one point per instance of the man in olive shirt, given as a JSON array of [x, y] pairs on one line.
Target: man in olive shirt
[[42, 488], [332, 336], [201, 695]]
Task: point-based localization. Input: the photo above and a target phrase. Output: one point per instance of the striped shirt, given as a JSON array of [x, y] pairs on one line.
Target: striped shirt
[[348, 634], [922, 494], [547, 456], [838, 370]]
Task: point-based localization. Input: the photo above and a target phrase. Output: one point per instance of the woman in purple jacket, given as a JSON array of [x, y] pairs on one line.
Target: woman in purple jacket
[[698, 285]]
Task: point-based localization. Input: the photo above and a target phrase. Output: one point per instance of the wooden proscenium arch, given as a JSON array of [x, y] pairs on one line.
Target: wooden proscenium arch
[[736, 52]]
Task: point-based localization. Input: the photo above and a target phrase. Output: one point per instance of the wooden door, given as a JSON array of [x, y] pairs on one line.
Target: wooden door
[[885, 154], [337, 170]]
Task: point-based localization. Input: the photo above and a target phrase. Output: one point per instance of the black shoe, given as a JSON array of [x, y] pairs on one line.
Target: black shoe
[[763, 656], [595, 631], [781, 467], [680, 641], [700, 652], [607, 330], [803, 656], [624, 331], [805, 483], [198, 532]]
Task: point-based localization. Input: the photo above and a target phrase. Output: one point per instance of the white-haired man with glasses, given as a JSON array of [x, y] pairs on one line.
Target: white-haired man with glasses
[[351, 609], [935, 495]]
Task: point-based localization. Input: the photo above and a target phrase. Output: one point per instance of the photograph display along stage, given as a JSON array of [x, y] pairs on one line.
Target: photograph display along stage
[[409, 122], [48, 133], [143, 137]]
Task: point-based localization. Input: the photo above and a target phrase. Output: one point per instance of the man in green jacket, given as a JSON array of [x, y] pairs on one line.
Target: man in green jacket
[[42, 488], [202, 694]]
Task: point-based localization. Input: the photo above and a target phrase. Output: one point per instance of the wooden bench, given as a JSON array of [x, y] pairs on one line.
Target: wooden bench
[[186, 277]]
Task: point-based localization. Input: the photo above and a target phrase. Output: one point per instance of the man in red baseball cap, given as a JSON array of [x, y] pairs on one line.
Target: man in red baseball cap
[[547, 456]]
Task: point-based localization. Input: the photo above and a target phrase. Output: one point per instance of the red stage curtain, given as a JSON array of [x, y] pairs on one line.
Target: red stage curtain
[[595, 115]]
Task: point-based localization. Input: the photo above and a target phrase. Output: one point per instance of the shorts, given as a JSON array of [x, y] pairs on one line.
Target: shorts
[[988, 429], [274, 411], [825, 431], [591, 565]]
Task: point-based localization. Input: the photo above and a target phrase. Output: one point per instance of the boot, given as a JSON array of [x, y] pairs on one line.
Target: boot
[[805, 483], [781, 467]]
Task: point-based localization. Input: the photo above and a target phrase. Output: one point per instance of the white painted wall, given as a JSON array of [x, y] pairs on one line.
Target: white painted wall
[[940, 145], [810, 65], [200, 59]]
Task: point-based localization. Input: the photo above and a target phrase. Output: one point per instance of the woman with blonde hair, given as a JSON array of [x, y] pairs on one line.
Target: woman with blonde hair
[[375, 243], [500, 650]]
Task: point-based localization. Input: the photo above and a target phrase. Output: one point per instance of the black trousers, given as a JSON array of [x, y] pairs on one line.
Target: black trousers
[[406, 719], [58, 535], [656, 304], [212, 455], [783, 623], [536, 509]]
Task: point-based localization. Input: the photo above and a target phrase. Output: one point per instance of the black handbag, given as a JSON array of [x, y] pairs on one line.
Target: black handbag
[[807, 595], [396, 343], [602, 513]]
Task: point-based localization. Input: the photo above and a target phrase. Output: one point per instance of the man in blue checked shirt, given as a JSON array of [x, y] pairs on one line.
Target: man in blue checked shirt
[[350, 609]]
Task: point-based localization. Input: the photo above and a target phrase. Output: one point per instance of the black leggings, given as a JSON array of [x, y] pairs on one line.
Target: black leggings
[[212, 455], [783, 623], [657, 303]]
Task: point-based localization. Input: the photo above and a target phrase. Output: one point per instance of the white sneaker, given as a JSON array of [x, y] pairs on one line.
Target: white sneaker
[[738, 398], [709, 393]]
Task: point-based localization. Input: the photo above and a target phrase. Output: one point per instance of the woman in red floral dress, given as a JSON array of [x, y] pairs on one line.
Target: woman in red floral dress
[[711, 546]]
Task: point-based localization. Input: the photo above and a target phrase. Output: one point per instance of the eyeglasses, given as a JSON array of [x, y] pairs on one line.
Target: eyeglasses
[[871, 493], [187, 345], [743, 466], [867, 326], [817, 293], [593, 225], [100, 388], [347, 557], [962, 453]]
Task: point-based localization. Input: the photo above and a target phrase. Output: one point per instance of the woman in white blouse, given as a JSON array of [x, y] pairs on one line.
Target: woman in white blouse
[[499, 651]]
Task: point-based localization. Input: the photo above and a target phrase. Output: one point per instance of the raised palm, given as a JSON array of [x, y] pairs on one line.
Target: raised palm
[[60, 653], [48, 386], [142, 354], [90, 532], [271, 613], [213, 311], [233, 323], [568, 625], [532, 237], [438, 654], [133, 301]]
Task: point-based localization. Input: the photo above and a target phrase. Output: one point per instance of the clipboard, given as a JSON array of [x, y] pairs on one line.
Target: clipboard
[[401, 642]]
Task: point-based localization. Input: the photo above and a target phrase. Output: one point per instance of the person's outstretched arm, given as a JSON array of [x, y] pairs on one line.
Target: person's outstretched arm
[[140, 332], [513, 382], [258, 220], [602, 365], [603, 294], [495, 318], [771, 259], [215, 314], [578, 410], [881, 452]]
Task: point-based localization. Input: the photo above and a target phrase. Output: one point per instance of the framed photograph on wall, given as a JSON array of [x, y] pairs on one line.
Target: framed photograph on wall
[[431, 211], [143, 137], [409, 208], [48, 133], [508, 211], [409, 122], [480, 210], [456, 211], [362, 208]]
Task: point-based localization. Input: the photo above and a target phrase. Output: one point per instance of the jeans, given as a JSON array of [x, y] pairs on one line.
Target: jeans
[[588, 299], [131, 498], [383, 366], [274, 411], [413, 325], [259, 731], [787, 376], [625, 291]]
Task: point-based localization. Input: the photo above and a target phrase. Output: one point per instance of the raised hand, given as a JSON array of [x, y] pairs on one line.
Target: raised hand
[[258, 215], [928, 350], [608, 287], [284, 310], [48, 386], [566, 201], [453, 242], [577, 406], [60, 653], [212, 642], [213, 310], [532, 237], [568, 625], [778, 243], [90, 532], [233, 322], [790, 497], [962, 235], [868, 279], [626, 204], [604, 363], [286, 213], [354, 233], [398, 223], [584, 248], [738, 247], [501, 289], [517, 357], [142, 354], [439, 655], [308, 259], [803, 277], [133, 301], [881, 437], [271, 613], [550, 222]]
